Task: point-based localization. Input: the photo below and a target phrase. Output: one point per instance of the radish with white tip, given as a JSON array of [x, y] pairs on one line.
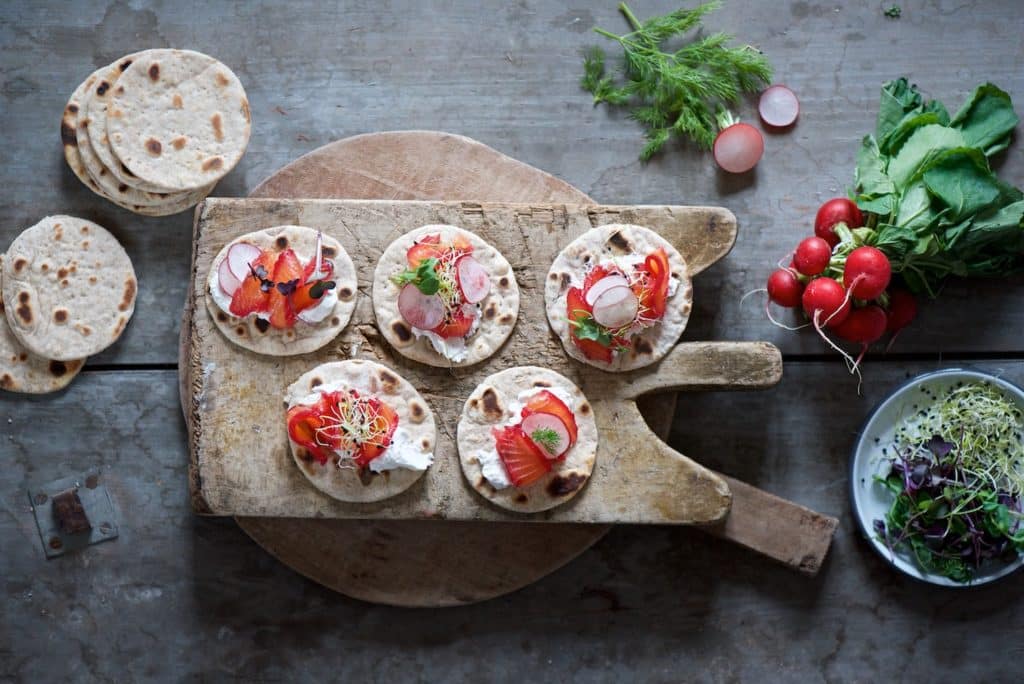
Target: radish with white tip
[[738, 146]]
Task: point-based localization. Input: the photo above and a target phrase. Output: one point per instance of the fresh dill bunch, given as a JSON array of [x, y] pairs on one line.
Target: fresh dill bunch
[[674, 93]]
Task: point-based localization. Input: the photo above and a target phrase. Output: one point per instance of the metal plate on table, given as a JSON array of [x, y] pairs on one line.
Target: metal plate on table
[[95, 502]]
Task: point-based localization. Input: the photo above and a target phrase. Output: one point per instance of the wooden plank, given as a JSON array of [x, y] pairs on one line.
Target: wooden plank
[[262, 483]]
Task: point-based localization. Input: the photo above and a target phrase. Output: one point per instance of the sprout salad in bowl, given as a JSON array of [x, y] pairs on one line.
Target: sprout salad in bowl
[[938, 478]]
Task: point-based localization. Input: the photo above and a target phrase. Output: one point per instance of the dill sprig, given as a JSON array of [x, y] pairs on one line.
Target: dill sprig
[[674, 93]]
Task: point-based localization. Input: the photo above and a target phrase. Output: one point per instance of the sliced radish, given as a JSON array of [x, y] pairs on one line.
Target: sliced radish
[[778, 106], [603, 285], [545, 421], [738, 148], [421, 311], [240, 256], [227, 280], [616, 308], [474, 280]]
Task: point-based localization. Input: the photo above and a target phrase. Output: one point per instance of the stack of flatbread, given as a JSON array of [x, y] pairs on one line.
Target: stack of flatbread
[[68, 291], [154, 131]]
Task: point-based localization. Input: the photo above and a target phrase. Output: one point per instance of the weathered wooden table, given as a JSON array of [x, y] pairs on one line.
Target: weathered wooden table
[[182, 598]]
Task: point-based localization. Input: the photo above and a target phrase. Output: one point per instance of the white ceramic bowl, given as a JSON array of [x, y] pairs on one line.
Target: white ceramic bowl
[[871, 501]]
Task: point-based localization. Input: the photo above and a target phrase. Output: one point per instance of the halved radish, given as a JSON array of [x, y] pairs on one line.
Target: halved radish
[[421, 311], [240, 256], [227, 280], [738, 148], [473, 279], [603, 285], [547, 425], [616, 308], [778, 106]]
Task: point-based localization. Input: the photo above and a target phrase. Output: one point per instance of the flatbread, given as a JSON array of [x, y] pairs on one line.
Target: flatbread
[[303, 337], [23, 371], [69, 133], [414, 416], [498, 311], [494, 404], [123, 192], [95, 110], [605, 243], [178, 119], [68, 288]]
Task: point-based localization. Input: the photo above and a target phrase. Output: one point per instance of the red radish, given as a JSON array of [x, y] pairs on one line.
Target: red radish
[[603, 285], [616, 308], [825, 301], [902, 310], [867, 272], [738, 148], [227, 280], [836, 210], [778, 106], [784, 289], [545, 421], [474, 281], [240, 256], [421, 311], [812, 256], [863, 326]]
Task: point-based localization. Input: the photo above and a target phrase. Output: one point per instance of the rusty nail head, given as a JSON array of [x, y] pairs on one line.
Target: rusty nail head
[[56, 543]]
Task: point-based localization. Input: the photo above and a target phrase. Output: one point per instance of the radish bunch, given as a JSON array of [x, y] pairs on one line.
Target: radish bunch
[[842, 284]]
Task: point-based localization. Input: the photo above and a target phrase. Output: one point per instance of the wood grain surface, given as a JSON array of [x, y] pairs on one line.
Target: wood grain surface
[[240, 449]]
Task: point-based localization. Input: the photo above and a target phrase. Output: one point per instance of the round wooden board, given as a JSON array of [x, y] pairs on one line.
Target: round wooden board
[[423, 563]]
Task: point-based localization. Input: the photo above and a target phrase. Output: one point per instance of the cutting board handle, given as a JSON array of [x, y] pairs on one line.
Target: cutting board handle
[[677, 489], [697, 366]]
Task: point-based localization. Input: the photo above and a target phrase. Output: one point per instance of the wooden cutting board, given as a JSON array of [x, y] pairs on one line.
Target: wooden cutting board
[[439, 563], [240, 457]]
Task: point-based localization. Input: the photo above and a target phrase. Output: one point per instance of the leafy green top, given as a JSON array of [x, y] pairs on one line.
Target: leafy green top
[[935, 207], [424, 277], [675, 92]]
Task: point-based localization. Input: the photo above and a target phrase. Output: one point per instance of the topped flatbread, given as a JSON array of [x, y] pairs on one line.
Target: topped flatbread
[[68, 288], [359, 431], [618, 297], [264, 293], [178, 119], [444, 296], [527, 439], [23, 371]]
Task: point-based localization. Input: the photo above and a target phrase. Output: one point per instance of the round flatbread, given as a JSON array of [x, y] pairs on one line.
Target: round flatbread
[[415, 418], [69, 134], [497, 312], [23, 371], [95, 110], [618, 243], [178, 119], [68, 288], [257, 335], [497, 402], [101, 91]]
